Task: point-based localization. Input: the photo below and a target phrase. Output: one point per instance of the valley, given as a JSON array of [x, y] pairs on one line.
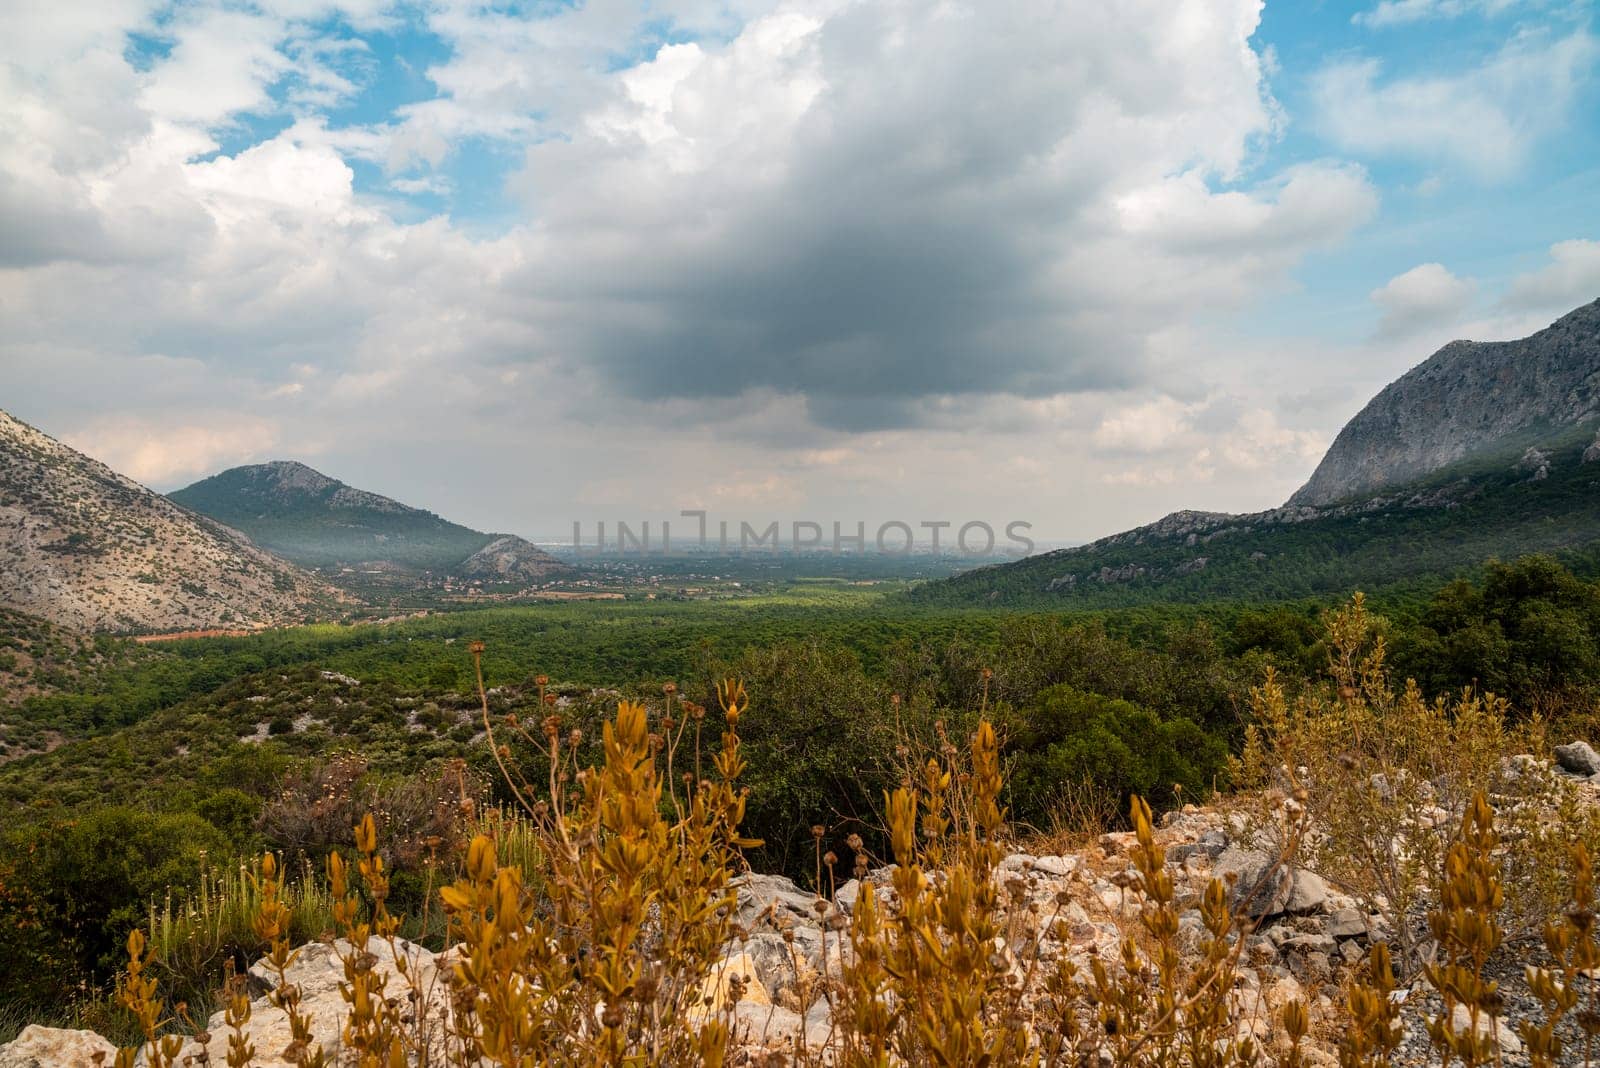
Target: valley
[[799, 534]]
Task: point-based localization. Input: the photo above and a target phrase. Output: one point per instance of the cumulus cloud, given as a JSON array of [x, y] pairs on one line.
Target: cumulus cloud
[[1146, 427], [1484, 120], [832, 237], [1424, 297], [1019, 209], [1572, 277], [1161, 442], [170, 451]]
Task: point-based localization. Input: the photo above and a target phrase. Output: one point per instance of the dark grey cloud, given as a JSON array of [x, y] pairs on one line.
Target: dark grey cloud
[[887, 203]]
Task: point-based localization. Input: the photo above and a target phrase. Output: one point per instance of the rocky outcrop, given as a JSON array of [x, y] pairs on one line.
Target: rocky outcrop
[[510, 559], [1578, 758], [54, 1047], [1591, 453], [1262, 887], [1535, 463], [1463, 400], [85, 548], [317, 971]]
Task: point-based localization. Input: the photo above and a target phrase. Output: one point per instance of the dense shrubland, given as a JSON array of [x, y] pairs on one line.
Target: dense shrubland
[[1088, 713], [601, 939]]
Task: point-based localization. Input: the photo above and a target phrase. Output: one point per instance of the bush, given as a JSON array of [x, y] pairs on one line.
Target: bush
[[317, 807], [1530, 632], [1387, 774], [1065, 736], [821, 741], [85, 883]]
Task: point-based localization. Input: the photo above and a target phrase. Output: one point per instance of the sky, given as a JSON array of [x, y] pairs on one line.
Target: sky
[[539, 262]]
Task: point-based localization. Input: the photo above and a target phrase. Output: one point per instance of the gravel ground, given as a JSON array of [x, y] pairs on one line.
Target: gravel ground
[[1507, 969]]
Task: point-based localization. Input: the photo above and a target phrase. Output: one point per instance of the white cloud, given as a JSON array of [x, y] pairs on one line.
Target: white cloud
[[1571, 278], [170, 451], [778, 213], [1147, 427], [432, 183], [1259, 442], [1485, 120], [1424, 297], [1222, 439], [221, 63], [1404, 12]]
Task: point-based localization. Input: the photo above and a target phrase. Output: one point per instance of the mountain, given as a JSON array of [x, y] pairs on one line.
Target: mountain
[[317, 521], [508, 559], [1466, 399], [87, 549], [1482, 451]]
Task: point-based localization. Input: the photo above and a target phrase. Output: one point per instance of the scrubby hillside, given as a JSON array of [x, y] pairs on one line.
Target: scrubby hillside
[[317, 521], [90, 550], [1395, 881], [1503, 505], [509, 558]]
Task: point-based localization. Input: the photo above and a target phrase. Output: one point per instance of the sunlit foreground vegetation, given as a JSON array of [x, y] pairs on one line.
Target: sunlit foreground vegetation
[[593, 925]]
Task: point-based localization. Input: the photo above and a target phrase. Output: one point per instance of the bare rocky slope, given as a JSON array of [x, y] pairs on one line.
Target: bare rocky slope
[[509, 558], [1464, 399], [88, 549]]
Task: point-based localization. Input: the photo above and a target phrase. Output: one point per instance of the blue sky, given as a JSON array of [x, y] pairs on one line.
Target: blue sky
[[1075, 264], [1432, 208]]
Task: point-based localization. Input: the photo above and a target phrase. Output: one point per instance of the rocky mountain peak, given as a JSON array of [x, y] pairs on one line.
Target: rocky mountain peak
[[293, 475], [1468, 398], [280, 483]]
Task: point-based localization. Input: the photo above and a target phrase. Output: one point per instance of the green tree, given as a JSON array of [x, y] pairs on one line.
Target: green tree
[[1065, 735]]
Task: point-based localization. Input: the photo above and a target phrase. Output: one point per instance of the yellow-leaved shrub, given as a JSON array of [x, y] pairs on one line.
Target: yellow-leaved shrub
[[599, 928]]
